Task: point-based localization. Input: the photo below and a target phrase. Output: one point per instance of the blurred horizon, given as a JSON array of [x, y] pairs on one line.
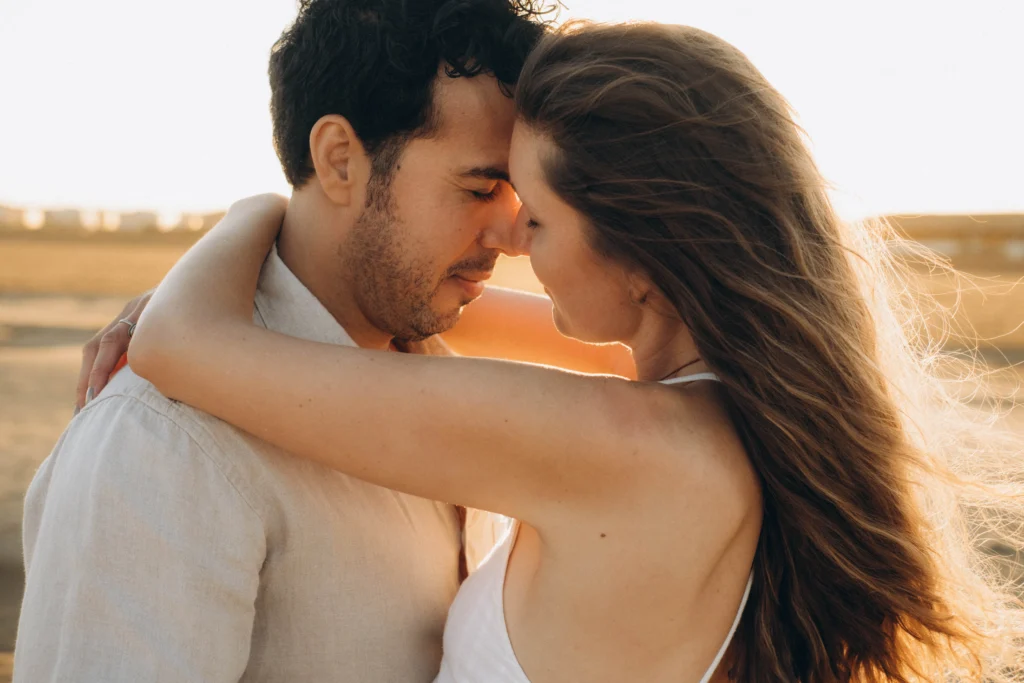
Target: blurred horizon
[[71, 219]]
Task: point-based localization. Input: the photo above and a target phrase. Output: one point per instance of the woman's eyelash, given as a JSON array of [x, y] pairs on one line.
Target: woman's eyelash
[[532, 224]]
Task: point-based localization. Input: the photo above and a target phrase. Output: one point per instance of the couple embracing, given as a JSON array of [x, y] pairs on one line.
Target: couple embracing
[[700, 437]]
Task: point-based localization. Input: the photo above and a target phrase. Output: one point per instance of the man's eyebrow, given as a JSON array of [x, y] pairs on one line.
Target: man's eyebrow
[[488, 173]]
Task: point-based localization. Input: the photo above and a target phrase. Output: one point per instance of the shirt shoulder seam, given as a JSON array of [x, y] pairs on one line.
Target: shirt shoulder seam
[[187, 431]]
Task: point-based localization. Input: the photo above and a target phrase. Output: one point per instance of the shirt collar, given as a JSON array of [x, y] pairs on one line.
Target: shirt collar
[[283, 304]]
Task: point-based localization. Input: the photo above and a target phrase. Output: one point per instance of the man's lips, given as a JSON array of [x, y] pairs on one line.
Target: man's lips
[[473, 277], [471, 283]]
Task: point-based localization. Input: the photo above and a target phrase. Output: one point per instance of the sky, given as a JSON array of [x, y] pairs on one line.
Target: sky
[[911, 106]]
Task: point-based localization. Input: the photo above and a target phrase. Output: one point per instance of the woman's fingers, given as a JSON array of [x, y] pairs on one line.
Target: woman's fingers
[[89, 352], [112, 346], [102, 353]]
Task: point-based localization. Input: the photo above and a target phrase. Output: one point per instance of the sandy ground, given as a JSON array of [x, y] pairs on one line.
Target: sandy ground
[[90, 266], [54, 295]]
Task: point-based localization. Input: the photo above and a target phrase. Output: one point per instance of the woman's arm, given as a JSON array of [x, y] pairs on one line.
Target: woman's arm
[[514, 325], [504, 323], [521, 440]]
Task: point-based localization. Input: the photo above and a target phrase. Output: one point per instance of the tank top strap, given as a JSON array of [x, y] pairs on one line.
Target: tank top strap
[[697, 376], [732, 631]]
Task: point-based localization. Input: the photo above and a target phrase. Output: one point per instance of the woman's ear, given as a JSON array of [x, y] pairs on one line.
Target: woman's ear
[[640, 288], [647, 296], [339, 160]]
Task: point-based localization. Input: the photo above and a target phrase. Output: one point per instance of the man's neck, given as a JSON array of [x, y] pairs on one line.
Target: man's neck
[[313, 259]]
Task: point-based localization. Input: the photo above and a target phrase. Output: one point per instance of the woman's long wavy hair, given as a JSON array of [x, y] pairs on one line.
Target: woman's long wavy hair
[[879, 482]]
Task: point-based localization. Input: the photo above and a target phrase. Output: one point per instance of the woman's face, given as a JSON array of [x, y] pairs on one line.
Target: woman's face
[[593, 298]]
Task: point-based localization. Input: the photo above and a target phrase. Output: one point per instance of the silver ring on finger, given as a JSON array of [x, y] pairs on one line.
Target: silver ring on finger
[[130, 324]]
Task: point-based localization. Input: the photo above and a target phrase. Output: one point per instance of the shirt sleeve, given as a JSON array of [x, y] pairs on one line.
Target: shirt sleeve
[[142, 558]]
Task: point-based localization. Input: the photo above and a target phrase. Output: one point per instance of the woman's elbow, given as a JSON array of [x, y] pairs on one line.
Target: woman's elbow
[[149, 353]]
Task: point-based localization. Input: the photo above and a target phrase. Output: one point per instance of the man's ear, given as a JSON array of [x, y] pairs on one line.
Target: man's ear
[[339, 160]]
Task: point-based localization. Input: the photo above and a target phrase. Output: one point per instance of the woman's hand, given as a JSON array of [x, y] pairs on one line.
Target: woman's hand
[[101, 354]]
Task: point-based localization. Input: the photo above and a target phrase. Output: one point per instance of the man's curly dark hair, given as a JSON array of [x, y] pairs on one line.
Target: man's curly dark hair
[[375, 62]]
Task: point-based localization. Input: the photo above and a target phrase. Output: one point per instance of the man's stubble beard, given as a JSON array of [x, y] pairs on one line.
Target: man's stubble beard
[[393, 289]]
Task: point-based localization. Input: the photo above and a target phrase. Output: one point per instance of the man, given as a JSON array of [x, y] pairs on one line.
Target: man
[[164, 545]]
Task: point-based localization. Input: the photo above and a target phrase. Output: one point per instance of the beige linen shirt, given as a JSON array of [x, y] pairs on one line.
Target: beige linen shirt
[[162, 544]]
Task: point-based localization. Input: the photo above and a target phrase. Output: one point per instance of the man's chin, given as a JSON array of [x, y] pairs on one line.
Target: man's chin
[[440, 321], [450, 304], [447, 319], [442, 315]]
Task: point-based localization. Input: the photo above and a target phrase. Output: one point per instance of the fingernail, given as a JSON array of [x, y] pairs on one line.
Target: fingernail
[[77, 411], [90, 394]]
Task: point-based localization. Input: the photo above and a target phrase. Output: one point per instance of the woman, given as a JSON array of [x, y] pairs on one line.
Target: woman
[[768, 503]]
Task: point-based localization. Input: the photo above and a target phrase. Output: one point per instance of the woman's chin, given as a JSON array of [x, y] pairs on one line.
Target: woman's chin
[[563, 326], [579, 332]]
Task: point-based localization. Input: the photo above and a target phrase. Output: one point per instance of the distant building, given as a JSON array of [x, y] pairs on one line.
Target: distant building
[[64, 219], [199, 221], [138, 221], [11, 219]]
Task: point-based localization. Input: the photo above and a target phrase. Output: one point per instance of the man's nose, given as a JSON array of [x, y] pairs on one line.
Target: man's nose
[[508, 233]]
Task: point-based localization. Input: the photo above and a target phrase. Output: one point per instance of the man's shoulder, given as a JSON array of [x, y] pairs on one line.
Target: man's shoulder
[[137, 397], [126, 386], [130, 415]]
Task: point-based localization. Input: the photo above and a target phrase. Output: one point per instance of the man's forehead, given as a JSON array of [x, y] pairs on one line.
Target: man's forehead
[[475, 112]]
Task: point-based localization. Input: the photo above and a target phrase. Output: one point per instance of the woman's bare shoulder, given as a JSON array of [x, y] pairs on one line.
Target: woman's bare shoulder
[[695, 457], [693, 497]]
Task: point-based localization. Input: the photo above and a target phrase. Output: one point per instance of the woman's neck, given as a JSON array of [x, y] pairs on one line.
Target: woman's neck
[[662, 348]]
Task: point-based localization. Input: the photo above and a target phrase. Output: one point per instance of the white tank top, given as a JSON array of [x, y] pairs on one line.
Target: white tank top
[[477, 648]]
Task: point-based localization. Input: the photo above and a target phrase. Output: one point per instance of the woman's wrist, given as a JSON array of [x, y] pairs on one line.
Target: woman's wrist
[[260, 204]]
